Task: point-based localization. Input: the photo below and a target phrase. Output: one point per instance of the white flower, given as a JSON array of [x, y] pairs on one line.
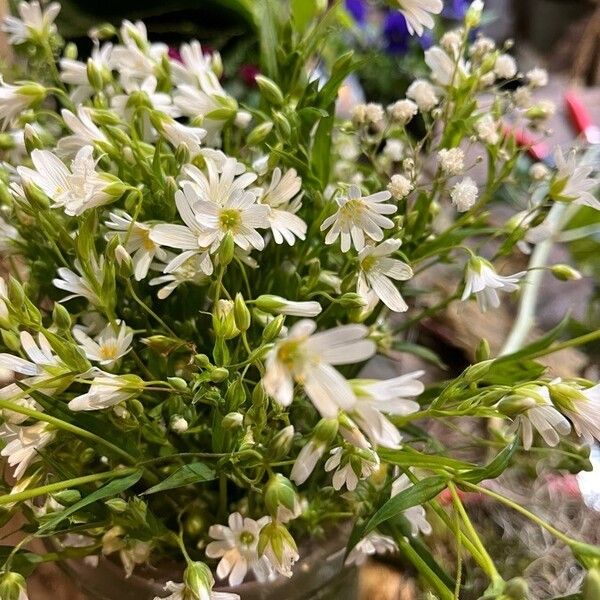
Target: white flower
[[177, 272], [505, 67], [538, 171], [179, 134], [178, 424], [199, 101], [278, 547], [399, 186], [34, 23], [23, 444], [402, 111], [160, 101], [281, 306], [43, 364], [377, 269], [464, 194], [423, 93], [181, 592], [572, 182], [14, 99], [106, 390], [444, 69], [580, 405], [74, 189], [372, 544], [487, 130], [79, 285], [132, 552], [418, 13], [483, 281], [307, 459], [452, 160], [236, 546], [138, 242], [283, 198], [136, 59], [537, 77], [368, 114], [539, 413], [357, 216], [375, 399], [415, 515], [308, 358], [394, 150], [240, 216], [194, 63], [85, 131], [75, 72], [108, 346], [350, 466]]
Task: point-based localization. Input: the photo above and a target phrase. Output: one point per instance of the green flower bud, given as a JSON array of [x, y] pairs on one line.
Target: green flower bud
[[352, 300], [516, 589], [591, 585], [478, 371], [259, 133], [233, 420], [282, 124], [67, 497], [281, 443], [515, 405], [235, 395], [203, 361], [7, 142], [103, 32], [473, 14], [71, 51], [326, 431], [241, 313], [482, 352], [226, 250], [117, 505], [61, 317], [221, 114], [12, 586], [178, 383], [32, 139], [564, 395], [161, 343], [269, 90], [223, 320], [198, 580], [565, 272], [16, 294], [35, 196], [273, 329], [281, 499], [34, 91], [11, 340], [94, 74], [219, 374]]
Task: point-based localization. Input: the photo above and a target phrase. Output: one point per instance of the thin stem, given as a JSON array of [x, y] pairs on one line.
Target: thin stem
[[150, 311], [63, 485], [59, 423]]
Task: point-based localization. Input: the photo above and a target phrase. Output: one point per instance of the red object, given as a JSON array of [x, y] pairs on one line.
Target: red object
[[538, 151], [248, 73], [581, 118]]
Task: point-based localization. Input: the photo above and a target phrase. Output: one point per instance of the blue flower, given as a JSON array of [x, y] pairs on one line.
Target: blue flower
[[358, 9], [456, 9], [396, 33]]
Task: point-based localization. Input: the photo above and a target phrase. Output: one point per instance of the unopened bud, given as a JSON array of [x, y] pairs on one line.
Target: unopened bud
[[473, 14], [178, 383], [281, 499], [482, 351], [61, 317], [281, 443], [352, 300], [11, 340], [233, 420], [478, 371], [259, 133], [226, 250], [272, 330], [117, 505], [102, 32], [198, 580], [67, 497], [241, 313], [32, 139], [12, 586], [565, 272], [94, 74], [178, 424], [269, 90]]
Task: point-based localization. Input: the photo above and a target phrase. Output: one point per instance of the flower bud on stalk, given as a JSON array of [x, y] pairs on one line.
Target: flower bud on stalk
[[276, 543], [281, 499], [32, 139], [273, 329], [233, 420], [241, 313], [226, 250], [279, 305], [259, 133], [235, 395], [281, 443], [61, 317], [12, 586], [565, 272], [269, 90], [198, 580]]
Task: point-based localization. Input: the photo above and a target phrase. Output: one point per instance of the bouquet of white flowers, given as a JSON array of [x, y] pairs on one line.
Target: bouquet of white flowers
[[196, 287]]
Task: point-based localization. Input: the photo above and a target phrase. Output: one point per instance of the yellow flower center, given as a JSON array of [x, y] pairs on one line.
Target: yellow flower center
[[108, 351], [368, 263], [230, 219]]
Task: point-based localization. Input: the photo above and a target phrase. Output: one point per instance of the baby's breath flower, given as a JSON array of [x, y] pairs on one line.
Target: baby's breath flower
[[399, 186], [394, 150], [402, 111], [487, 130], [523, 97], [539, 171], [452, 160], [464, 194], [423, 93], [537, 77], [505, 67]]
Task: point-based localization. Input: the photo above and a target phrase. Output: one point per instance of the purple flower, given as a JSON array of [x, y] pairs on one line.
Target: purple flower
[[358, 9], [396, 33], [456, 9]]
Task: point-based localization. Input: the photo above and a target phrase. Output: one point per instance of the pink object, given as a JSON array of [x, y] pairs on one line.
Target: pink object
[[538, 151], [248, 73], [581, 118]]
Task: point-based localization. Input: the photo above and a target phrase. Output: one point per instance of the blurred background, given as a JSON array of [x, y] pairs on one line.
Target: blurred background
[[562, 36]]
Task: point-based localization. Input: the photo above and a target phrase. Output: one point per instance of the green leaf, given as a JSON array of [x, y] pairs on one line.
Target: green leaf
[[420, 351], [407, 457], [112, 488], [321, 150], [189, 474], [266, 27], [495, 468]]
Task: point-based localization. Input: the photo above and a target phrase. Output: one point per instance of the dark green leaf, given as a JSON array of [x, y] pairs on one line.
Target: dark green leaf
[[496, 467], [189, 474], [407, 457], [112, 488]]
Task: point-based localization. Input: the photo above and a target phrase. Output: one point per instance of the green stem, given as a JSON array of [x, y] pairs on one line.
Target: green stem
[[63, 485], [60, 424]]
